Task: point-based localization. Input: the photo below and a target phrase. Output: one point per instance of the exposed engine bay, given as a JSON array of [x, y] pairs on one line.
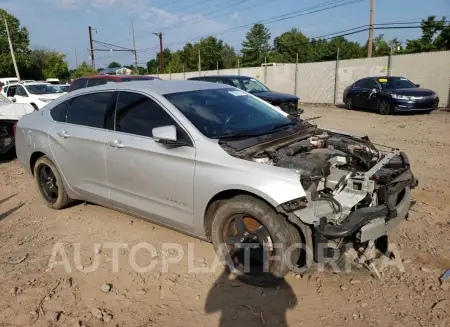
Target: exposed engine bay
[[353, 189]]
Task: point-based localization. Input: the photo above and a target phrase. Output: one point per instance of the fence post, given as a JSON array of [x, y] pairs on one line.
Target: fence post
[[184, 74], [389, 65], [170, 74], [199, 63], [265, 70], [296, 75], [336, 78], [239, 67], [217, 63]]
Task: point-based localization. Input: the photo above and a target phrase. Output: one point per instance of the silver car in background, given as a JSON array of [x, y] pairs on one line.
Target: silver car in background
[[221, 164]]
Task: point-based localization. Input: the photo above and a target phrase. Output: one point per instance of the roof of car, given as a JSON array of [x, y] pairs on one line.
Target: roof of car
[[30, 83], [221, 76], [115, 76], [160, 86], [378, 77]]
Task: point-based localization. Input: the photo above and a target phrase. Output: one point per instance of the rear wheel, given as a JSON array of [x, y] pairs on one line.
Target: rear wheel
[[384, 107], [50, 183], [259, 245], [350, 103]]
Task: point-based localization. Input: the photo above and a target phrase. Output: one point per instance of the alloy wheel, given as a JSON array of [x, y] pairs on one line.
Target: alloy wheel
[[383, 107], [48, 183], [247, 239]]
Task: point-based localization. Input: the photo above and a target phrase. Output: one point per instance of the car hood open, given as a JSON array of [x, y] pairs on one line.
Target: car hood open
[[14, 111]]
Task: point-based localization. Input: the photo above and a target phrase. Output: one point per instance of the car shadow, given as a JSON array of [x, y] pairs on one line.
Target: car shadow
[[10, 211], [245, 305], [8, 156]]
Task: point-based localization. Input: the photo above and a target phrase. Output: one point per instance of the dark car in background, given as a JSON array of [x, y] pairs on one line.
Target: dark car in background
[[286, 102], [88, 81], [389, 95]]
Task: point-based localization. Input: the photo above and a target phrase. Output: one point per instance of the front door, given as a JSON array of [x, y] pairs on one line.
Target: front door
[[77, 141], [146, 177], [21, 95], [369, 94]]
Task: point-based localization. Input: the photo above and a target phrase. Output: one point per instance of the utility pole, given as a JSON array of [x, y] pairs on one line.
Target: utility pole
[[161, 52], [11, 49], [370, 43], [134, 48], [76, 57], [91, 43]]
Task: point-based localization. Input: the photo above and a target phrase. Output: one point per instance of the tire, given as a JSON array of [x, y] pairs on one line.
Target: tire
[[384, 108], [35, 107], [59, 198], [279, 230], [349, 102]]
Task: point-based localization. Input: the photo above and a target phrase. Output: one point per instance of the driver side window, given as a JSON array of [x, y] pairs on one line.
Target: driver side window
[[21, 91], [138, 114]]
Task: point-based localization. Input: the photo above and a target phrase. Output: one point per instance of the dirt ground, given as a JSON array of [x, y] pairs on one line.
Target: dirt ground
[[33, 296]]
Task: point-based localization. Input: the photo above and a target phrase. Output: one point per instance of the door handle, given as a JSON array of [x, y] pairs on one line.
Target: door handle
[[63, 134], [116, 144]]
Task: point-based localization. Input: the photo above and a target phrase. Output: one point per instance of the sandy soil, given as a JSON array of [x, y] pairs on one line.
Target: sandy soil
[[33, 296]]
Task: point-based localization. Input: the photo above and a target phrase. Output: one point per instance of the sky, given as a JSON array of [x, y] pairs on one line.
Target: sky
[[62, 25]]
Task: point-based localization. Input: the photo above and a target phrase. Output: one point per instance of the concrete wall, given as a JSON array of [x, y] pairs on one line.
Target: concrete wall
[[318, 82], [430, 70]]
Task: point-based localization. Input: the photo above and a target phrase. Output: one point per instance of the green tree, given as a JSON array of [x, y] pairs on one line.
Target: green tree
[[152, 66], [20, 41], [256, 45], [176, 63], [114, 64], [56, 66], [288, 44], [435, 36], [84, 70], [228, 57]]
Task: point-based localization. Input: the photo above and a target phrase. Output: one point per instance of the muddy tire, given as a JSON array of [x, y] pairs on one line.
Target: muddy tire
[[50, 184], [245, 220]]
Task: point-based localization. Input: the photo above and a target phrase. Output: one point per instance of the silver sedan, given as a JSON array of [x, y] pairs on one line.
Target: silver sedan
[[273, 192]]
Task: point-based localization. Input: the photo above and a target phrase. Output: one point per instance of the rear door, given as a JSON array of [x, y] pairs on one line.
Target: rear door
[[77, 142], [146, 177]]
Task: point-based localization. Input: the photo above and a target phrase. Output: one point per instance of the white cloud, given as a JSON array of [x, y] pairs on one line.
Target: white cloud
[[235, 16]]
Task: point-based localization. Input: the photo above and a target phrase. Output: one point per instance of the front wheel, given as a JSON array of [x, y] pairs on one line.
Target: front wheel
[[350, 103], [50, 184], [384, 107], [258, 245]]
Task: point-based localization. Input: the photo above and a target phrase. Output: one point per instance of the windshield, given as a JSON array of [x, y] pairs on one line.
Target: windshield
[[64, 88], [43, 89], [226, 112], [252, 85], [4, 99], [396, 83]]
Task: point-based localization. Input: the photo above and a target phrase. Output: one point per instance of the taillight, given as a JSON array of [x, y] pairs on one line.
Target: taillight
[[14, 129]]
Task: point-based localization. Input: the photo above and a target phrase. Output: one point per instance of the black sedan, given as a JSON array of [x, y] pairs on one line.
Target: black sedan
[[286, 102], [389, 95]]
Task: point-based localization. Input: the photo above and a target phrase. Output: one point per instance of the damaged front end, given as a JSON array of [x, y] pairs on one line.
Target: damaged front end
[[6, 136], [354, 192]]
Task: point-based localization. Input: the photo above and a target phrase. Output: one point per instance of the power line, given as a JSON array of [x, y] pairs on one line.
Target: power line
[[301, 12]]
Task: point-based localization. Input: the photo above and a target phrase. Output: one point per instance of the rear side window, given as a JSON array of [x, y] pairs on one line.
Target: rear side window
[[92, 109], [78, 84], [138, 114], [96, 81], [59, 112]]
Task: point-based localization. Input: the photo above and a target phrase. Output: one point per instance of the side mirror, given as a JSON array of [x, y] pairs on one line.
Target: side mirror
[[12, 99], [167, 135], [417, 85]]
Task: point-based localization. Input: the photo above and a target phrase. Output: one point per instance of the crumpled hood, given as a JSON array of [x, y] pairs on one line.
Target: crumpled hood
[[14, 111]]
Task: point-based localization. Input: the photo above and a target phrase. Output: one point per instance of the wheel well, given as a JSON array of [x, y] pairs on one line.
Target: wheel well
[[34, 157], [215, 201]]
